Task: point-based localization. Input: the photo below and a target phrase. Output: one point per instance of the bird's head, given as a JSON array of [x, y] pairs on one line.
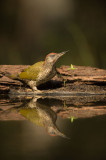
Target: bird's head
[[51, 58], [53, 131]]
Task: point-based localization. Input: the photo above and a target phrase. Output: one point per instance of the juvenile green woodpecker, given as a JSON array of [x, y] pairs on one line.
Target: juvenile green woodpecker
[[41, 115], [38, 113], [39, 72]]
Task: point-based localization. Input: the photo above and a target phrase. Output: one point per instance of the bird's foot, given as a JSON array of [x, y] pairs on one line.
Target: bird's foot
[[33, 86], [36, 90], [28, 90]]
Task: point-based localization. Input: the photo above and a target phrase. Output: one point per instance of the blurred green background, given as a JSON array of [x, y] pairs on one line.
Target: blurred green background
[[30, 29]]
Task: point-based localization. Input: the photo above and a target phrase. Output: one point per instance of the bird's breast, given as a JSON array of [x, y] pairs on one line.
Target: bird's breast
[[45, 75]]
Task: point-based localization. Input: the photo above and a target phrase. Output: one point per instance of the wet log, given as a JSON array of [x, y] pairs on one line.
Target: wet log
[[65, 107], [81, 80]]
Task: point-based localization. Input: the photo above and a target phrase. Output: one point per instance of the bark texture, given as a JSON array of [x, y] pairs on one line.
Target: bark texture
[[81, 80]]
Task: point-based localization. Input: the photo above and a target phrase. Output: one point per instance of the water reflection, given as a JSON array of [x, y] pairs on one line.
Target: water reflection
[[41, 115], [37, 112], [22, 139]]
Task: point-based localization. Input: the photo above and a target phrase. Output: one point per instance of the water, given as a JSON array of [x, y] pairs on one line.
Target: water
[[24, 130]]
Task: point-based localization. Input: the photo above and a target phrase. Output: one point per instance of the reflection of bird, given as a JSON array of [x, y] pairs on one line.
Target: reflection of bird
[[43, 116], [38, 73]]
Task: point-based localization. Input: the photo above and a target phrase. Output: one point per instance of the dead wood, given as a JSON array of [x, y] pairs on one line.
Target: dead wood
[[82, 80], [65, 107]]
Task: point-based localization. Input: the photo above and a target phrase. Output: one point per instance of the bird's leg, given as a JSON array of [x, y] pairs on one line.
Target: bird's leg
[[32, 84], [33, 102]]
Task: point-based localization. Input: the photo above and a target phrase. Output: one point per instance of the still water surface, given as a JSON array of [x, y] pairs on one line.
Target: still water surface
[[22, 139]]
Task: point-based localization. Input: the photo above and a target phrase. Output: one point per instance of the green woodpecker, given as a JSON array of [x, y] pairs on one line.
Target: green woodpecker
[[39, 72], [41, 115]]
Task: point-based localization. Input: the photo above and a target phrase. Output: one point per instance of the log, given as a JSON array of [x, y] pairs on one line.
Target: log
[[64, 107], [78, 93], [79, 81]]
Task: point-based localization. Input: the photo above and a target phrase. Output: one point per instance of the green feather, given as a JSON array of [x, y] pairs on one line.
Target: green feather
[[32, 72], [32, 115]]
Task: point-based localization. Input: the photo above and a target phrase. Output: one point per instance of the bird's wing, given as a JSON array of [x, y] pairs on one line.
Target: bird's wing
[[31, 72], [32, 115]]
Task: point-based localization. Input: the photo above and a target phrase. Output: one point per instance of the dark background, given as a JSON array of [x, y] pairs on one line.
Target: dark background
[[30, 29], [22, 140]]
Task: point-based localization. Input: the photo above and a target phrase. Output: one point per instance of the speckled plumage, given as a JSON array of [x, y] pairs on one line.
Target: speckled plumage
[[41, 115], [39, 72]]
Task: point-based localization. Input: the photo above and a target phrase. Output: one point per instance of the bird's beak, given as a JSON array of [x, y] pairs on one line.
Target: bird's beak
[[61, 134], [62, 53], [58, 133]]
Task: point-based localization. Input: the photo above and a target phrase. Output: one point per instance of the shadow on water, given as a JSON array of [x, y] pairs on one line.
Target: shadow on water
[[62, 127]]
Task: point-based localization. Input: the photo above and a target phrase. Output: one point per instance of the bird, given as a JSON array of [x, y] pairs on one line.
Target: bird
[[38, 113], [38, 73], [41, 115]]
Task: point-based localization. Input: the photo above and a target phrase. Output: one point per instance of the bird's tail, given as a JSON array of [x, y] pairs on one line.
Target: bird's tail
[[11, 76]]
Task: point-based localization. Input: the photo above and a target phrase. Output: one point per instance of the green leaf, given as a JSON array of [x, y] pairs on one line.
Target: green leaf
[[72, 119], [64, 83], [71, 68]]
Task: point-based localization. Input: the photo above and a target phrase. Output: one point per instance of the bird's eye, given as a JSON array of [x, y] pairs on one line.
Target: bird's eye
[[52, 55], [53, 133]]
